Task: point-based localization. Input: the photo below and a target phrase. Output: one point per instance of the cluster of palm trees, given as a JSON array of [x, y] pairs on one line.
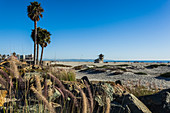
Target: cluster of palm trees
[[41, 37]]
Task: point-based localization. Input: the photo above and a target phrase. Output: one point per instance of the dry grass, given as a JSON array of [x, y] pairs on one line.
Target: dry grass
[[63, 74], [137, 89], [84, 105]]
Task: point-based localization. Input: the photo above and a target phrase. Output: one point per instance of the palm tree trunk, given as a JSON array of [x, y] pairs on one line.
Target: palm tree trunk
[[37, 53], [35, 41], [41, 54]]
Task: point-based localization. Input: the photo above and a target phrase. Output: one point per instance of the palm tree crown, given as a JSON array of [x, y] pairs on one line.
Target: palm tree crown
[[34, 11], [45, 38]]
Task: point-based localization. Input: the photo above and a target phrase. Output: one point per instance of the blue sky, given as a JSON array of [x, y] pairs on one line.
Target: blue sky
[[82, 29]]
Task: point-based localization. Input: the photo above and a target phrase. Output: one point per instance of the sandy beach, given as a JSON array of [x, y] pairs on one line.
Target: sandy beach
[[127, 73]]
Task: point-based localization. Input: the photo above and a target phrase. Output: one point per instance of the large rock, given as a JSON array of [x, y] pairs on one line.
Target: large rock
[[159, 102], [131, 104]]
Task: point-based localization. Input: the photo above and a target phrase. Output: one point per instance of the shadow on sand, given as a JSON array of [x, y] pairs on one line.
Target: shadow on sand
[[163, 78]]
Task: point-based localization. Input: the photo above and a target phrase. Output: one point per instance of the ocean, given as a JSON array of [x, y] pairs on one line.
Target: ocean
[[92, 60]]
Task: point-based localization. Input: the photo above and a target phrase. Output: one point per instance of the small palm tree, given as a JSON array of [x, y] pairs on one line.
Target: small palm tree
[[34, 13], [43, 38]]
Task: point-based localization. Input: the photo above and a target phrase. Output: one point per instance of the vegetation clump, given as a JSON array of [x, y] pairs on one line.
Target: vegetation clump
[[123, 65], [139, 89], [140, 73], [155, 66], [63, 74], [60, 65], [166, 75]]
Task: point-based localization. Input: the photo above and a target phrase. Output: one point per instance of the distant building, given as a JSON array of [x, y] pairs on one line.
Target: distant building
[[26, 58]]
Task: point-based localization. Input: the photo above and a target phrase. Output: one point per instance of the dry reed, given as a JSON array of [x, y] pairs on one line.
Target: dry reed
[[38, 84], [84, 110], [90, 95], [13, 66], [42, 98], [61, 86], [107, 105], [21, 82], [45, 89], [4, 74], [60, 92], [3, 82]]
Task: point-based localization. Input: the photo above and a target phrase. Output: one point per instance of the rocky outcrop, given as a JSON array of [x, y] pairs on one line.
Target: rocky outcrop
[[159, 102]]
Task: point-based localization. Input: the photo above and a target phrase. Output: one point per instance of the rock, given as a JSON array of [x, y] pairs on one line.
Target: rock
[[117, 108], [132, 104], [159, 102]]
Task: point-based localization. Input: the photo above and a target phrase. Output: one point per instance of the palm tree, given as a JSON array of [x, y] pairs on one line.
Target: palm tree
[[34, 13], [39, 32], [44, 41], [43, 38]]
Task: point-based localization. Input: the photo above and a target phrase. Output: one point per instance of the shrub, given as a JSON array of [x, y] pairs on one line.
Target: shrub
[[155, 66], [123, 69], [167, 75], [78, 67], [61, 65], [63, 74], [123, 65]]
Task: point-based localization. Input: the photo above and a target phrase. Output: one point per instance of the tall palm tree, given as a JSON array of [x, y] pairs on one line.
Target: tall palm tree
[[34, 13], [44, 41]]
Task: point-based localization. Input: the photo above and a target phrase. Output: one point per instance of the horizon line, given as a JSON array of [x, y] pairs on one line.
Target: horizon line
[[111, 59]]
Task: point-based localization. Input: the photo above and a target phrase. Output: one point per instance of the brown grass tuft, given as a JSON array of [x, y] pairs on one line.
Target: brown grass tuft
[[65, 91], [4, 74], [84, 110], [3, 82], [38, 84], [13, 67], [90, 95], [21, 82], [42, 98], [45, 89], [107, 105], [60, 91]]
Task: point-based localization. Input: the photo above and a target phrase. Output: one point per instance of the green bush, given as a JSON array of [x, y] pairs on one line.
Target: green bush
[[78, 67], [167, 75], [61, 65], [123, 65], [140, 73], [155, 66], [123, 69]]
